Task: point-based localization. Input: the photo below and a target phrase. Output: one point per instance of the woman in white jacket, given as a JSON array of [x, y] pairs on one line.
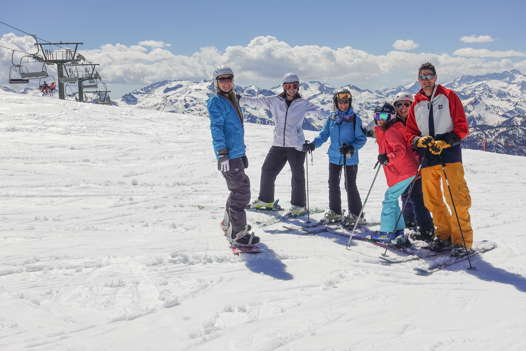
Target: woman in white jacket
[[288, 110]]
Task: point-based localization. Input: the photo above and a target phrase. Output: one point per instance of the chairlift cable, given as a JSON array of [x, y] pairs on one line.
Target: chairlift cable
[[23, 31]]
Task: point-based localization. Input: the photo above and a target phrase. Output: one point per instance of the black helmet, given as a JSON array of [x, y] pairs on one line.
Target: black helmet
[[342, 94], [387, 107], [385, 112]]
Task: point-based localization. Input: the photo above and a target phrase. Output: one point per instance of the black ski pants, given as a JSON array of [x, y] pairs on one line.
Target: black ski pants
[[353, 196], [274, 163], [415, 210], [239, 185]]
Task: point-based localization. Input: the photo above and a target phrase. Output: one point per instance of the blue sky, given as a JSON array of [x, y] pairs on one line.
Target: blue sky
[[370, 28]]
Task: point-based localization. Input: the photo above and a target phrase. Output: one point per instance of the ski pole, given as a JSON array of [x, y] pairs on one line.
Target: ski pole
[[363, 206], [456, 213], [407, 199], [307, 183], [345, 180]]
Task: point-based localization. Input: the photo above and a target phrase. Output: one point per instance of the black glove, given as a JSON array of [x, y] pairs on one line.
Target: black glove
[[451, 138], [347, 149], [383, 159], [308, 146]]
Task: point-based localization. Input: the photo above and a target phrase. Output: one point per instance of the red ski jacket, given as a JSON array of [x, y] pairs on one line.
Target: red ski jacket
[[403, 161]]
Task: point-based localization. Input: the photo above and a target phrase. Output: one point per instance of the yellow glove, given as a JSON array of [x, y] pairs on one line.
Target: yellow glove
[[438, 146], [424, 142]]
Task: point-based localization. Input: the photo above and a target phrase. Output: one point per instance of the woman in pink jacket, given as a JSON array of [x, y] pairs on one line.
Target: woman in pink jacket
[[400, 166]]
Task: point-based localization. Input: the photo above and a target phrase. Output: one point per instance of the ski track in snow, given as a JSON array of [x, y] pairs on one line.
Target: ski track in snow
[[110, 240]]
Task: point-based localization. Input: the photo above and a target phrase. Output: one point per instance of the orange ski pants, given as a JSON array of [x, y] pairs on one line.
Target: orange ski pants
[[435, 189]]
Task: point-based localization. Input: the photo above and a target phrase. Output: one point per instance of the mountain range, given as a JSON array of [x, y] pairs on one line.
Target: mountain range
[[494, 103]]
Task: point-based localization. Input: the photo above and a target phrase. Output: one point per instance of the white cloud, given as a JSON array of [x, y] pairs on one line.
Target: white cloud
[[470, 52], [265, 59], [476, 39], [154, 43], [404, 45]]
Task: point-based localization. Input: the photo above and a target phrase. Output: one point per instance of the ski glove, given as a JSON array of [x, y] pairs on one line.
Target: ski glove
[[223, 164], [423, 142], [451, 138], [438, 146], [347, 150], [383, 159], [308, 146]]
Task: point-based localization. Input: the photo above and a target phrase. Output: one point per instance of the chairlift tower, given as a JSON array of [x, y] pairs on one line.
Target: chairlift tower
[[84, 74], [59, 54]]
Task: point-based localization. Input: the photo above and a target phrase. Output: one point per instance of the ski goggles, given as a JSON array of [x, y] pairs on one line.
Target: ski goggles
[[400, 104], [294, 85], [382, 116], [426, 76], [344, 98], [225, 79]]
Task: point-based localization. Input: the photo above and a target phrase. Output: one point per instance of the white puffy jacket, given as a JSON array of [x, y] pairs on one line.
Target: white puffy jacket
[[288, 119]]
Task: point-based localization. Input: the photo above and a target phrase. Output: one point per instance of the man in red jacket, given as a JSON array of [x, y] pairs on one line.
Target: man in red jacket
[[435, 125]]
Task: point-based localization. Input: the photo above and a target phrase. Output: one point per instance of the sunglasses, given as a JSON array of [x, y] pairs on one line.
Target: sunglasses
[[382, 116], [343, 101], [426, 76], [225, 79], [291, 85], [399, 104]]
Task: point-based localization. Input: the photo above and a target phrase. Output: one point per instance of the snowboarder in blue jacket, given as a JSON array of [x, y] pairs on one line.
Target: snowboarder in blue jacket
[[226, 125], [344, 128]]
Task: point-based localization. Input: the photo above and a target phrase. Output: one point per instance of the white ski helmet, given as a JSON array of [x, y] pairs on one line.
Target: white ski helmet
[[403, 96], [221, 71], [291, 78]]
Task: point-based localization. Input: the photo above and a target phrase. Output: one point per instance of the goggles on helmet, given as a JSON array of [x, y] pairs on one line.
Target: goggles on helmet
[[383, 116], [343, 96]]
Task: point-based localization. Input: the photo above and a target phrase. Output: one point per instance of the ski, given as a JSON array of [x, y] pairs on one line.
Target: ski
[[278, 217], [481, 247], [415, 256]]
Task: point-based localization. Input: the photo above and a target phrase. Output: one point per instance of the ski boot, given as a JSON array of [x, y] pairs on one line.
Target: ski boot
[[423, 235], [296, 211], [332, 217], [244, 237], [350, 220], [460, 251], [267, 206], [399, 239], [439, 245]]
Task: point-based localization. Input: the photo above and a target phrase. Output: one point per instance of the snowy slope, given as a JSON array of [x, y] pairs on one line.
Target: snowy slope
[[109, 240]]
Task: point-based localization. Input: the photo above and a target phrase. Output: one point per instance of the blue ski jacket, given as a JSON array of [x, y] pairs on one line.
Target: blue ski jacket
[[226, 127], [342, 128]]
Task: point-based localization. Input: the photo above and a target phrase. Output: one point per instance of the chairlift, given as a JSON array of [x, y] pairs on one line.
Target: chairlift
[[14, 73], [92, 83], [32, 68]]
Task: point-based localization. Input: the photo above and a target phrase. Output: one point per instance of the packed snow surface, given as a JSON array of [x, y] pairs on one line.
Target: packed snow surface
[[110, 240]]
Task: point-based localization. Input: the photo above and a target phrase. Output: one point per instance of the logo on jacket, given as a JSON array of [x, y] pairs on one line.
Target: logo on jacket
[[440, 106]]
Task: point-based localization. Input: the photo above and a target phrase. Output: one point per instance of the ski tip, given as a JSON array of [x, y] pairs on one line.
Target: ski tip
[[422, 272]]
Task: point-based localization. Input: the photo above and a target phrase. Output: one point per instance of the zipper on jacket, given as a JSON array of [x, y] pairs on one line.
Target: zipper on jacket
[[285, 124]]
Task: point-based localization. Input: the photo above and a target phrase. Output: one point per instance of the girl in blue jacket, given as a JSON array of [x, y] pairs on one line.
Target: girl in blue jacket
[[344, 128], [226, 126]]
